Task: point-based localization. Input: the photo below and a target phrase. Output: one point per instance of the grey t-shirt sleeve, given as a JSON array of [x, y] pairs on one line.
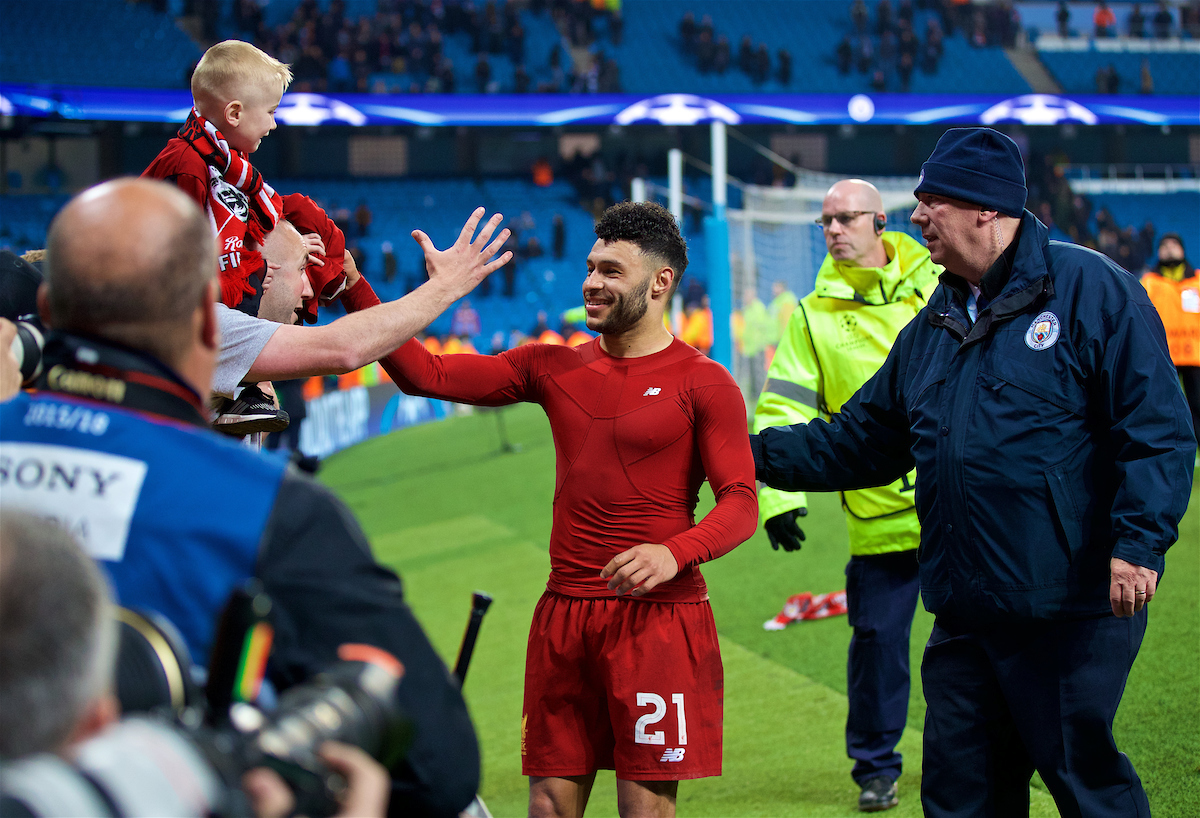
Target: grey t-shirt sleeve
[[242, 340]]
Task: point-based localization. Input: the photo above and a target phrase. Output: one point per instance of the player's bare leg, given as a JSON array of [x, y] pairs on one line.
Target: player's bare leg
[[646, 799], [554, 797]]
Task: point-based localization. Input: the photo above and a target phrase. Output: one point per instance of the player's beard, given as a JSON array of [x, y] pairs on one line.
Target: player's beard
[[625, 312]]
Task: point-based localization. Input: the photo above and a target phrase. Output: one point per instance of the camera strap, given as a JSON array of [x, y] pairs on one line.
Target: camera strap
[[102, 371]]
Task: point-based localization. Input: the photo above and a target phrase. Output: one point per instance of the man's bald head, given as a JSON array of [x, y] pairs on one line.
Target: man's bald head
[[287, 258], [854, 194], [849, 215], [129, 261]]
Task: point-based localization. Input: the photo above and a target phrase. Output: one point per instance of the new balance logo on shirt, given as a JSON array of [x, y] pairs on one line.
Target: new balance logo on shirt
[[654, 390], [675, 754]]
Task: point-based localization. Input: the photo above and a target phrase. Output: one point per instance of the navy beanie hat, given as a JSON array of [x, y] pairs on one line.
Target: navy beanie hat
[[977, 165]]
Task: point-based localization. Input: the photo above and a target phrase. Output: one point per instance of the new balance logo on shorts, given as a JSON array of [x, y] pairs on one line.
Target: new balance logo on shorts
[[673, 754], [654, 390]]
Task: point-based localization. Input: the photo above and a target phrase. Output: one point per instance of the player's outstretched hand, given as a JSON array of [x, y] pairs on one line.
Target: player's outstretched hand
[[782, 529], [466, 262], [640, 570]]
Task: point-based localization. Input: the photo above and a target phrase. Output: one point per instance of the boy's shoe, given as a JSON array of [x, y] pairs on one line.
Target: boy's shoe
[[251, 412], [878, 794]]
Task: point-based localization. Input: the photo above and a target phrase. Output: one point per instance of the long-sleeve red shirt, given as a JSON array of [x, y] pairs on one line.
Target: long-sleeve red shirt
[[634, 440]]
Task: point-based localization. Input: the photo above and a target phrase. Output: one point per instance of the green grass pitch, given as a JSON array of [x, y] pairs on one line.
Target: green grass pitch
[[453, 514]]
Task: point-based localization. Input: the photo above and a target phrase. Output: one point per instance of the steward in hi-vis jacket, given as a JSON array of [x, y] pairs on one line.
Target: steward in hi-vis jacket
[[1174, 287], [838, 338], [871, 284]]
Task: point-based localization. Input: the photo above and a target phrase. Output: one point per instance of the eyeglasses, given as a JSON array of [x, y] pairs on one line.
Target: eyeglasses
[[843, 219]]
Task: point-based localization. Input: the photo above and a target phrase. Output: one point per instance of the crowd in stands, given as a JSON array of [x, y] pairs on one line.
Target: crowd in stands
[[1118, 48], [1067, 212], [330, 51], [1108, 79], [711, 52], [1159, 24], [888, 44]]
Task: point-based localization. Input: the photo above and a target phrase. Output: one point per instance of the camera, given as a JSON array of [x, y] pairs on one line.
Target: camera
[[182, 756], [27, 347], [19, 282]]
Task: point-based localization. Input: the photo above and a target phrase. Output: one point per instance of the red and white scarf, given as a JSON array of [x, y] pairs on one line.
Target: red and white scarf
[[240, 203]]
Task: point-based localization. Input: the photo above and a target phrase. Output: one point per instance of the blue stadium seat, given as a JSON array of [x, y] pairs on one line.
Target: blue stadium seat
[[1169, 212], [112, 42], [652, 60], [1175, 74], [98, 42]]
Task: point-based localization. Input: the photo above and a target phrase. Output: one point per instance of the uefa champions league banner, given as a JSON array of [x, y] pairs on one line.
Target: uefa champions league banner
[[432, 110]]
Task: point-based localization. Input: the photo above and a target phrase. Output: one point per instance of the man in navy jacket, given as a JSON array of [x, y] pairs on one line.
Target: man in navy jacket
[[1054, 451]]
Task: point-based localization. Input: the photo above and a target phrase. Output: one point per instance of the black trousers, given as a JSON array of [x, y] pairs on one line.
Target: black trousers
[[881, 592], [1010, 699]]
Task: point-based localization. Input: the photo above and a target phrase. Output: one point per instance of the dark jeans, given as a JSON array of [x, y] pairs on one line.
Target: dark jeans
[[881, 592], [1009, 699]]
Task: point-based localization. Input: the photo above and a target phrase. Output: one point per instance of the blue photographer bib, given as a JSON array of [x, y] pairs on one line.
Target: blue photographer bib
[[172, 512]]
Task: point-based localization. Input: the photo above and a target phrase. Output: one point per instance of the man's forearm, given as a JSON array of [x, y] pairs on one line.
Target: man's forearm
[[374, 331], [352, 341]]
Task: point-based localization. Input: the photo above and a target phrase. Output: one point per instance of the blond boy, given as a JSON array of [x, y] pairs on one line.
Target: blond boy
[[236, 89]]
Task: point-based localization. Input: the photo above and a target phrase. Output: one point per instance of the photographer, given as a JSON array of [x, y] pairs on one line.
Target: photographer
[[57, 650], [114, 445]]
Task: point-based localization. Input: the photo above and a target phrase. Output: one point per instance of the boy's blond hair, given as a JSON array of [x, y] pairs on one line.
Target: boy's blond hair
[[229, 69]]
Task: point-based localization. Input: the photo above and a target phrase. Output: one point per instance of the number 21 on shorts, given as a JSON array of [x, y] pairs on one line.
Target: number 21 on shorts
[[640, 736]]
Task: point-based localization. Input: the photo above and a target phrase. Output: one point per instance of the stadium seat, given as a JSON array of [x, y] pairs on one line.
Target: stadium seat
[[99, 43], [1175, 74]]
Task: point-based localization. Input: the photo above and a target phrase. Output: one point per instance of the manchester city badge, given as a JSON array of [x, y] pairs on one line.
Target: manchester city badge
[[1043, 332]]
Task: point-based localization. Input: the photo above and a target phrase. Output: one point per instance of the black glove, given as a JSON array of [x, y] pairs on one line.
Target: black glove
[[782, 530]]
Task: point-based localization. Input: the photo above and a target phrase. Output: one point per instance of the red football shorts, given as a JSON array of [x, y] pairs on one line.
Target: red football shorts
[[625, 685]]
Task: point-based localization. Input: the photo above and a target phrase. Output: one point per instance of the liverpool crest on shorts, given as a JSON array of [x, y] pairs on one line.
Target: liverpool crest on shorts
[[1043, 332]]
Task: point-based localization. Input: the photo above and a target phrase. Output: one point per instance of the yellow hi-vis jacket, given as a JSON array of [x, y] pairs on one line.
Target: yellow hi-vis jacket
[[836, 340]]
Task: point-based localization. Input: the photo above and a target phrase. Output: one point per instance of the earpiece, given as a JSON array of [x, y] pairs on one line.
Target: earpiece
[[880, 222]]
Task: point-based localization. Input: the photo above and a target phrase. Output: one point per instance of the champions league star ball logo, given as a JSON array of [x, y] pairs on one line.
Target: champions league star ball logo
[[1038, 109], [677, 109], [1043, 332], [315, 109]]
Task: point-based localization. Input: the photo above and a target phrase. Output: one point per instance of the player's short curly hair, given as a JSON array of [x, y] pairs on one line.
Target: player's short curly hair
[[652, 228]]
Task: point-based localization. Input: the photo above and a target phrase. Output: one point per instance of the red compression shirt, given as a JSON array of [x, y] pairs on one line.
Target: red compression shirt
[[634, 440]]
